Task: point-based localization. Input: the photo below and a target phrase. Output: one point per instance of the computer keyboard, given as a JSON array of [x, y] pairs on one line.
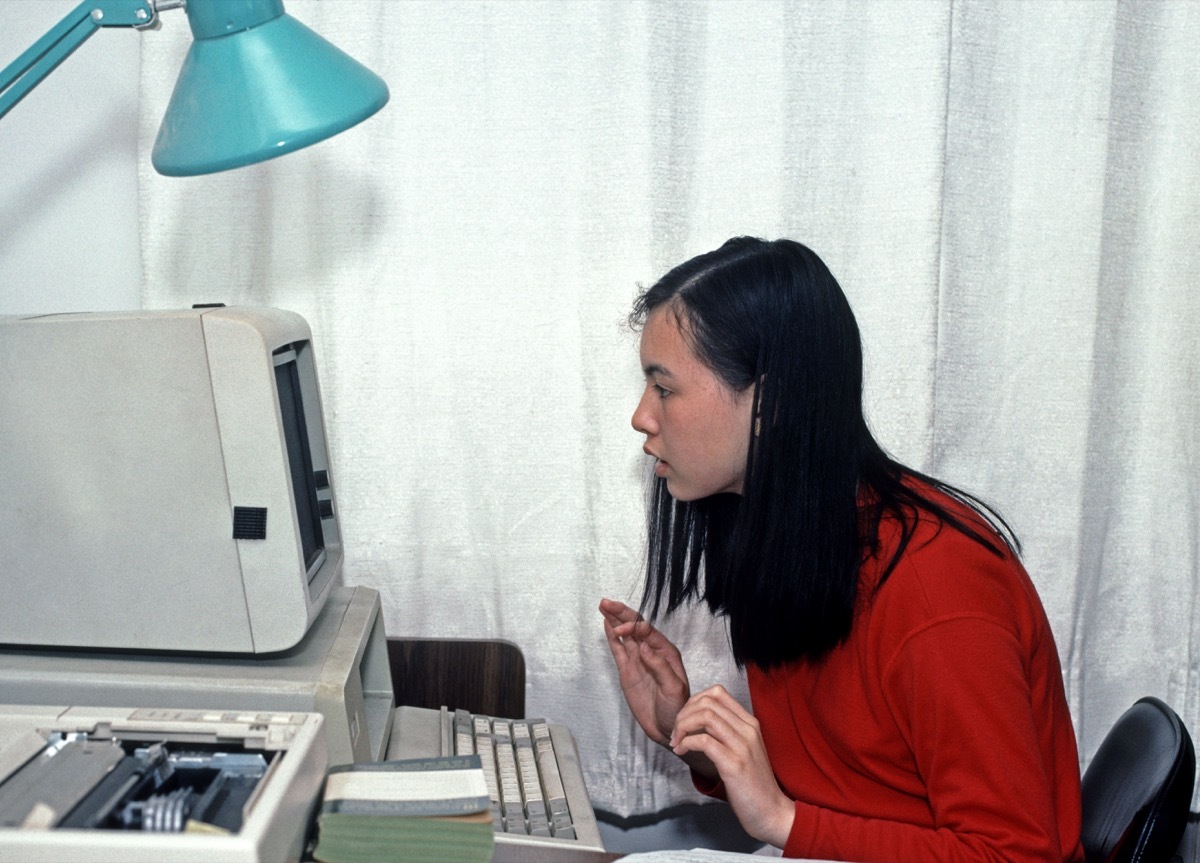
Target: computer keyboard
[[521, 771], [540, 808]]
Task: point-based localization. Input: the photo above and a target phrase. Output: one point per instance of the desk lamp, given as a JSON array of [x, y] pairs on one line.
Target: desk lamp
[[256, 83]]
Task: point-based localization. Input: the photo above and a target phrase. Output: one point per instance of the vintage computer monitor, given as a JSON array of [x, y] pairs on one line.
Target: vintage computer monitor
[[167, 481]]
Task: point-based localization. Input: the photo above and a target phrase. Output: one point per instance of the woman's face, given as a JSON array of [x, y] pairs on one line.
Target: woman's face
[[695, 426]]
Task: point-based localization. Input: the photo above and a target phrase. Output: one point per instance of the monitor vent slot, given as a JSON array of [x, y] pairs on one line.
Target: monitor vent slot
[[249, 522]]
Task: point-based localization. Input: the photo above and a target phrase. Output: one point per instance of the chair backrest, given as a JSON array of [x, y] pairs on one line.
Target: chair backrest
[[1138, 787], [480, 675]]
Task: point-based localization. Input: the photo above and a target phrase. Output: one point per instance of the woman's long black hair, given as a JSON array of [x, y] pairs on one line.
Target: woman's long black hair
[[781, 561]]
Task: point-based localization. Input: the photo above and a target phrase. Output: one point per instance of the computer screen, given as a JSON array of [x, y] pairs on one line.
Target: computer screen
[[299, 452], [168, 482]]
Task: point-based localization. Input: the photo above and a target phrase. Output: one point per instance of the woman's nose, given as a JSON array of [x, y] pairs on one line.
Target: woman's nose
[[643, 418]]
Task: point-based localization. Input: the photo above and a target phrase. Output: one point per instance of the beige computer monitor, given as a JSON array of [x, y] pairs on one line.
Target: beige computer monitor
[[167, 481]]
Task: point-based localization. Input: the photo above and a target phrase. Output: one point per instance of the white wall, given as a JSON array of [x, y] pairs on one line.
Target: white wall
[[68, 186]]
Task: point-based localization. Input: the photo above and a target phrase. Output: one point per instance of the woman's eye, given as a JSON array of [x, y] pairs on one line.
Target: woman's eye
[[663, 392]]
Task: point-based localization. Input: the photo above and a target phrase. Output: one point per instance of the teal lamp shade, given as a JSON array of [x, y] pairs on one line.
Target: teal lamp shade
[[256, 83]]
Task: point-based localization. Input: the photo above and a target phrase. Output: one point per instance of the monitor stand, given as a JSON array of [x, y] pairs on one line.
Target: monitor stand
[[340, 670]]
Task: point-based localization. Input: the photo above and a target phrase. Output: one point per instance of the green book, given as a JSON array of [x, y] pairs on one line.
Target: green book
[[433, 810]]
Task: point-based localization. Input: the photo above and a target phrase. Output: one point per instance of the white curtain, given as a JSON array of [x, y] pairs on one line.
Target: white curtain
[[1009, 193]]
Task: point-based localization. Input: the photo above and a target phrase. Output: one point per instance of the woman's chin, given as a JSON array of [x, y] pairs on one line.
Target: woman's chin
[[685, 493], [681, 492]]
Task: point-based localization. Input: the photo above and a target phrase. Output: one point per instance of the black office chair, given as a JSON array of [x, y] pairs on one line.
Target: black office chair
[[1138, 787]]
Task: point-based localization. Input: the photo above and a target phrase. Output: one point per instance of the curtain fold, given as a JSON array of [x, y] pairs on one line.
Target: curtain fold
[[1007, 192]]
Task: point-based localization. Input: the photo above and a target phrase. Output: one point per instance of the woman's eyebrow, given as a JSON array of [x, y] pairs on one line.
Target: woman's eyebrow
[[652, 369]]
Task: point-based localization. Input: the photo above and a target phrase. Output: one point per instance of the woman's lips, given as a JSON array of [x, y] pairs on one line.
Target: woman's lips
[[660, 466]]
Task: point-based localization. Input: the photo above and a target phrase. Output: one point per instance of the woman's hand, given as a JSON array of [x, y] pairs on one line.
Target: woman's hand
[[650, 668], [715, 725]]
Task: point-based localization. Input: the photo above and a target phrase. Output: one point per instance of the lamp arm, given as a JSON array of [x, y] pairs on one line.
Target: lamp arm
[[44, 55]]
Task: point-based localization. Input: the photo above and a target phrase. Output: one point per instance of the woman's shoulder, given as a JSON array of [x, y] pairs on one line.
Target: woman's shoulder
[[944, 571]]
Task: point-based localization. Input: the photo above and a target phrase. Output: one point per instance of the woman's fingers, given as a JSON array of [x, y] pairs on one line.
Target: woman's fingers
[[625, 624], [618, 612], [638, 657], [649, 666], [713, 724], [621, 621], [619, 648], [669, 676], [717, 698], [716, 715]]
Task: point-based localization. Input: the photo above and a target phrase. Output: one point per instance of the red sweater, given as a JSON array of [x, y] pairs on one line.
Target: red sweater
[[939, 731]]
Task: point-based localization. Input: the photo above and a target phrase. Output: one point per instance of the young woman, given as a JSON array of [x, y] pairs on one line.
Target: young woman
[[907, 695]]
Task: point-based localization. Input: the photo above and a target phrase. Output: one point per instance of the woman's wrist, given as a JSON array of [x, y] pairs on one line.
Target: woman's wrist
[[779, 828]]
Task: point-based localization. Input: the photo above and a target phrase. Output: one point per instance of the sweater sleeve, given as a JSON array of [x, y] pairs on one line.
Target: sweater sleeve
[[714, 788], [959, 691]]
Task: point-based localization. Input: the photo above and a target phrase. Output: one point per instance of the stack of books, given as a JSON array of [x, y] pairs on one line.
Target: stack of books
[[435, 810]]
